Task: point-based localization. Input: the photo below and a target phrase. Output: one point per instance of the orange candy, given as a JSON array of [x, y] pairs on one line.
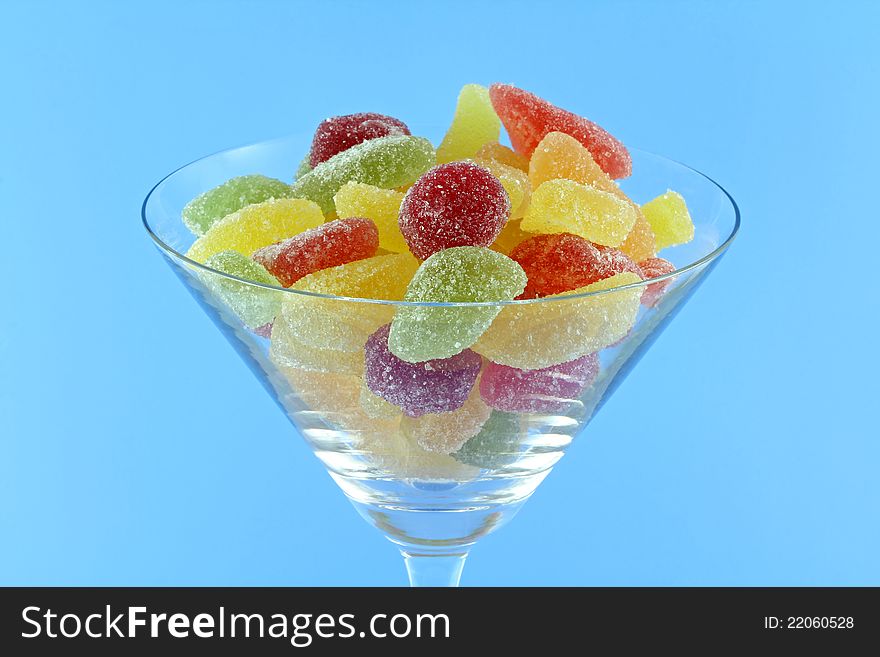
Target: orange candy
[[500, 153]]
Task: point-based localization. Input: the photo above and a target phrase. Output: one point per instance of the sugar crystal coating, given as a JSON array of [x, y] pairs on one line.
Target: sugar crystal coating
[[286, 350], [535, 335], [652, 268], [500, 153], [455, 204], [376, 407], [640, 244], [255, 306], [401, 457], [339, 133], [510, 237], [207, 209], [256, 226], [565, 206], [562, 262], [528, 119], [303, 168], [331, 323], [496, 445], [537, 391], [328, 245], [459, 274], [445, 433], [435, 386], [475, 123], [356, 199], [386, 162], [515, 182], [670, 220]]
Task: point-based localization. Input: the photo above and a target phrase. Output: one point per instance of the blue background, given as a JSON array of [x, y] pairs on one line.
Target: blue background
[[136, 449]]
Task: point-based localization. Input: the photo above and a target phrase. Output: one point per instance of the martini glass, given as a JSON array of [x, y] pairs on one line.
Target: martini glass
[[436, 503]]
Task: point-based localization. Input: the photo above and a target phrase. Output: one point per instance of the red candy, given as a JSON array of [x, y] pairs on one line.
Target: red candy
[[329, 245], [652, 268], [455, 204], [528, 119], [339, 133], [537, 391], [562, 262]]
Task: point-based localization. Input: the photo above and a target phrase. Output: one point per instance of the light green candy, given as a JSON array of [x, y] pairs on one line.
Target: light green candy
[[496, 445], [459, 274], [386, 162], [205, 210], [303, 168], [255, 306]]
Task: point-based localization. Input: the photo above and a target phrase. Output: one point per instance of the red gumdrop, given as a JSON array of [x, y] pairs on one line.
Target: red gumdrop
[[329, 245], [562, 262], [528, 119], [455, 204], [339, 133], [264, 331], [652, 268], [537, 391]]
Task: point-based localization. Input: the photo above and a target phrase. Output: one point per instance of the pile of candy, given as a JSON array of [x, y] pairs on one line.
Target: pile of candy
[[377, 213]]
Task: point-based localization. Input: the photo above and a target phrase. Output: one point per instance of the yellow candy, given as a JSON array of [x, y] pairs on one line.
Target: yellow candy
[[509, 238], [445, 433], [565, 206], [395, 454], [256, 226], [346, 325], [381, 205], [500, 153], [669, 219], [515, 182], [376, 407], [537, 335], [639, 244], [285, 350], [474, 124]]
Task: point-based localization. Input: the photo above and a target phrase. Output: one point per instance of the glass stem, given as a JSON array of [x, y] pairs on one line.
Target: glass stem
[[428, 568]]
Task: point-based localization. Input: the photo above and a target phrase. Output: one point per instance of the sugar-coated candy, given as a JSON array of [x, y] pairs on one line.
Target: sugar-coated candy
[[445, 433], [496, 445], [537, 391], [565, 206], [255, 306], [333, 323], [460, 274], [386, 162], [510, 237], [328, 245], [303, 168], [356, 199], [515, 182], [562, 262], [401, 457], [474, 124], [376, 407], [455, 204], [529, 118], [670, 220], [257, 225], [207, 209], [339, 133], [555, 330], [434, 386], [640, 243], [286, 350], [652, 268], [504, 154]]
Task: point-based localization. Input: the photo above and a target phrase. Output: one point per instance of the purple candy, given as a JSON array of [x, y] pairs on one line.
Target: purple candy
[[434, 386], [537, 391]]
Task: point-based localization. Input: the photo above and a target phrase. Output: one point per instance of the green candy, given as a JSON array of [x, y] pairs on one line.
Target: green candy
[[207, 209], [255, 306], [459, 274], [495, 446], [303, 168], [385, 162]]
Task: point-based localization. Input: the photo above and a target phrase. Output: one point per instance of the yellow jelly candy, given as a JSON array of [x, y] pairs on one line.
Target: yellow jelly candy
[[401, 457], [445, 433], [565, 206], [669, 219], [509, 238], [515, 182], [537, 335], [256, 226], [376, 407], [381, 205], [500, 153], [474, 124], [345, 325], [286, 350], [639, 244]]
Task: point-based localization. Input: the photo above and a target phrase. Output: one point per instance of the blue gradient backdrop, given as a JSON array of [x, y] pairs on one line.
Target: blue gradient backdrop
[[135, 448]]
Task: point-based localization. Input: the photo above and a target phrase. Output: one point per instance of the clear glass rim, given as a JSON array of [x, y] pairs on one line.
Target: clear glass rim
[[696, 264]]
